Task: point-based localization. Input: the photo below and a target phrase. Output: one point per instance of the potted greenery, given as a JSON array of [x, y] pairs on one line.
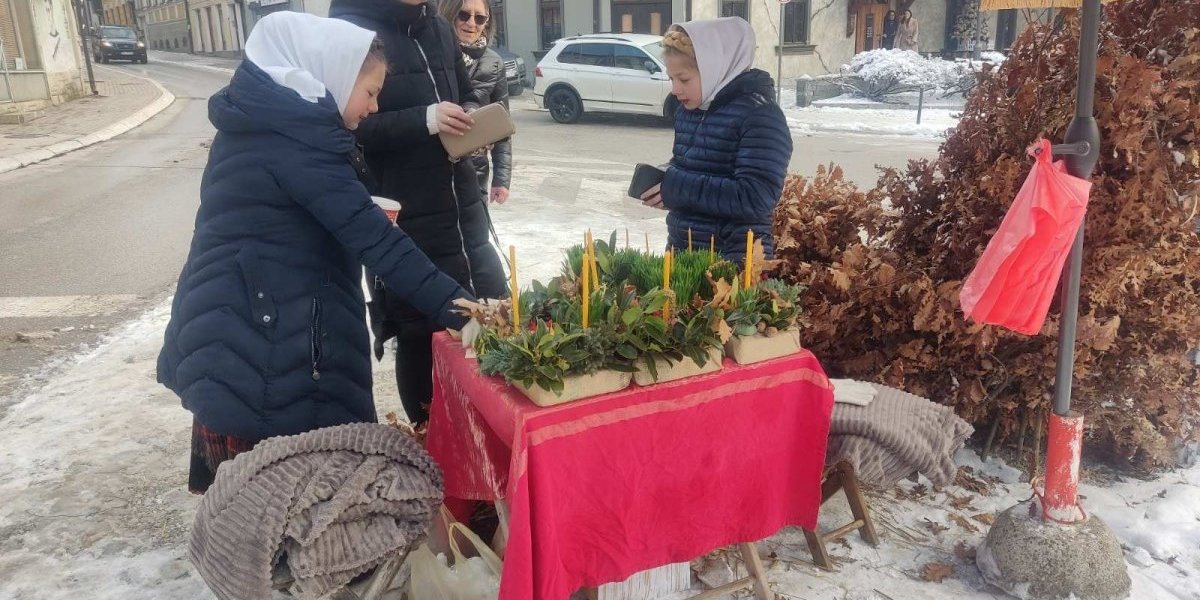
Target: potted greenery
[[763, 320]]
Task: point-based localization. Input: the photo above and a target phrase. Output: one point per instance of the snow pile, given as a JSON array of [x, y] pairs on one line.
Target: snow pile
[[993, 57], [884, 69], [884, 120]]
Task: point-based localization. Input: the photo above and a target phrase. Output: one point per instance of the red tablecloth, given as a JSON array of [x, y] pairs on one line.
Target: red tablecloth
[[603, 488]]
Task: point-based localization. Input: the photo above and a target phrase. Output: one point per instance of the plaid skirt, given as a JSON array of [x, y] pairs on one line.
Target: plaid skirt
[[209, 450]]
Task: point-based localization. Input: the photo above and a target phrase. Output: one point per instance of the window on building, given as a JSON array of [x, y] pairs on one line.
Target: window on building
[[735, 8], [16, 36], [795, 22], [551, 21], [592, 55]]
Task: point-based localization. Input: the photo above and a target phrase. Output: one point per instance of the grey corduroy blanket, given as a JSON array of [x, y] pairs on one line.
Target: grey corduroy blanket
[[896, 435], [338, 501]]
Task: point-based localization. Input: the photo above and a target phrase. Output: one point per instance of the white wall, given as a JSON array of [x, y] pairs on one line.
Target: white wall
[[58, 47], [577, 17], [522, 19], [317, 7]]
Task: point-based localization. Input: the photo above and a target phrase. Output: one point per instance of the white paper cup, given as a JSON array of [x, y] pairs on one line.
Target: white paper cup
[[390, 207]]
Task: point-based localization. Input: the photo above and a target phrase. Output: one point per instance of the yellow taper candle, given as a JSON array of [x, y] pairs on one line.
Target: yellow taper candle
[[595, 263], [749, 256], [647, 242], [585, 288], [667, 283], [516, 291], [689, 239]]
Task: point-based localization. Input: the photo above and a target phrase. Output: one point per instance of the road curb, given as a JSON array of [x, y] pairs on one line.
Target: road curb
[[24, 159]]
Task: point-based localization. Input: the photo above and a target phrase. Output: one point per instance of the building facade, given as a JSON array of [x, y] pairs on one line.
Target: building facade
[[164, 24], [818, 36], [217, 26], [40, 54], [119, 12]]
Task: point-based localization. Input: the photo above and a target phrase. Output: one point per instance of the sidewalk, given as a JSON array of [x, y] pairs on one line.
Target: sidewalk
[[124, 102]]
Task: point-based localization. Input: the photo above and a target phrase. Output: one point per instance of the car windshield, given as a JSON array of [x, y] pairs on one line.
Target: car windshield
[[654, 50], [117, 33]]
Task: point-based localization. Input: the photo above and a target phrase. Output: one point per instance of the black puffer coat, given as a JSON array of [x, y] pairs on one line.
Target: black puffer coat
[[441, 207], [266, 335], [489, 85]]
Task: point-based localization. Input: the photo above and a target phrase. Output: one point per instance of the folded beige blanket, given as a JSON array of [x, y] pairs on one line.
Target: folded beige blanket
[[338, 501], [896, 435]]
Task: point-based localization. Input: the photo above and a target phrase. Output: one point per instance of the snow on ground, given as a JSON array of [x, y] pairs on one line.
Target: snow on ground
[[854, 115], [94, 472], [935, 122]]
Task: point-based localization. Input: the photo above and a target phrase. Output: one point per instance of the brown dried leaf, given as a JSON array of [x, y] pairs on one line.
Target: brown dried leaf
[[964, 523], [934, 526], [936, 572], [985, 518], [964, 552]]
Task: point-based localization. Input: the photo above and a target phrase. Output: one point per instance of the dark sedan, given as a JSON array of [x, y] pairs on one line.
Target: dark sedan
[[112, 42]]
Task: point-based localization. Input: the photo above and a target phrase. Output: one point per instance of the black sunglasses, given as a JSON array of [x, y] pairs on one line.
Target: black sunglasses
[[464, 16]]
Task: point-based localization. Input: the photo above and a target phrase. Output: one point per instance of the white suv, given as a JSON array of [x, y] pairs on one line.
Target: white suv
[[604, 72]]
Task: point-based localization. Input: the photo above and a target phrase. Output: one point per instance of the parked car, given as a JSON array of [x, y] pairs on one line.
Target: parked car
[[514, 67], [114, 42], [621, 73]]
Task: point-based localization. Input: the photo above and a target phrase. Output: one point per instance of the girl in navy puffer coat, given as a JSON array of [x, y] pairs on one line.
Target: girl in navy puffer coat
[[267, 334], [732, 143]]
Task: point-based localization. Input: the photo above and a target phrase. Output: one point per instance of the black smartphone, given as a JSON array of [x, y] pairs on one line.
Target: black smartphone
[[644, 177]]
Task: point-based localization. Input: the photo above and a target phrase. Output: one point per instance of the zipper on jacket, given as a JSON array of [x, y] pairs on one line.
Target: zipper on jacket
[[462, 237], [315, 339]]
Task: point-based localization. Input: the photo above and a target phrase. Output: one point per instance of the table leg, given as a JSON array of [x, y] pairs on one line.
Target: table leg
[[754, 566]]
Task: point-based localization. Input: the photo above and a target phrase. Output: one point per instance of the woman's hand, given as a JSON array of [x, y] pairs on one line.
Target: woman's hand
[[452, 119], [653, 197], [499, 195]]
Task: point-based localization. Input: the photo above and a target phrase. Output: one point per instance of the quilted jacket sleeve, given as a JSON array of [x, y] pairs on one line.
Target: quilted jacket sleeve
[[326, 186], [760, 166]]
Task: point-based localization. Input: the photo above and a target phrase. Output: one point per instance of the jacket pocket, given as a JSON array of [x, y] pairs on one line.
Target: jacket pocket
[[316, 350], [262, 305]]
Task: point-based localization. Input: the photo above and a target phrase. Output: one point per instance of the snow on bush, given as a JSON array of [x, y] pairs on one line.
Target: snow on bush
[[888, 72]]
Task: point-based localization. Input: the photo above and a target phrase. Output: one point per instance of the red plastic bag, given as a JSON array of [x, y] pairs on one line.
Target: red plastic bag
[[1014, 282]]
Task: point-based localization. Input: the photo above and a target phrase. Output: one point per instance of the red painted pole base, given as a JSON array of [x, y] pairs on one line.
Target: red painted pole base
[[1060, 501]]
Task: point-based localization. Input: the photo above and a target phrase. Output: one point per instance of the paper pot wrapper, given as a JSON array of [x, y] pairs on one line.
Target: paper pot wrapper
[[578, 387], [747, 350], [680, 369]]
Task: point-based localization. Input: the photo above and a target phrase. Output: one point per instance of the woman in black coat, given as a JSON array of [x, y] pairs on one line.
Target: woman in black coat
[[426, 92], [267, 336], [473, 24], [890, 25]]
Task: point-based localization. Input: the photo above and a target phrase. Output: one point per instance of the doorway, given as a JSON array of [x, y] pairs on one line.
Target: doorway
[[869, 33]]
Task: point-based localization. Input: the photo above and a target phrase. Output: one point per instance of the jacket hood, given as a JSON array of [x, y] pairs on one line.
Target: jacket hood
[[754, 81], [382, 10], [254, 103]]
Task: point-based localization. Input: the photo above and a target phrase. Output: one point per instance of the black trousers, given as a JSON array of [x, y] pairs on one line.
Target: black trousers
[[414, 370]]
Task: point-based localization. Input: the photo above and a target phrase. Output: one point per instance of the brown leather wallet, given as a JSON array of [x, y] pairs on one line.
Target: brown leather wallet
[[492, 124]]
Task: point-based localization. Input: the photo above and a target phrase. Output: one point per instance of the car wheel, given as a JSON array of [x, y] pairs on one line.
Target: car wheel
[[515, 90], [669, 108], [564, 105], [145, 60]]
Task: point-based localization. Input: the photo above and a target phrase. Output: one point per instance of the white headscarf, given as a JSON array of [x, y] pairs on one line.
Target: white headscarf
[[309, 54], [724, 50]]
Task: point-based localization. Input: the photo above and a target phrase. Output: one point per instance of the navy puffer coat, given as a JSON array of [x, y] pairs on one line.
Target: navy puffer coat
[[728, 168], [268, 334]]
